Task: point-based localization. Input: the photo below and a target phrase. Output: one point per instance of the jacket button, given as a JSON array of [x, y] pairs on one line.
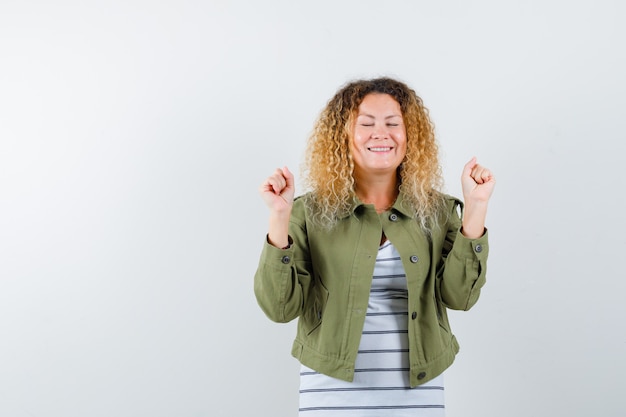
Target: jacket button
[[414, 315], [421, 375], [414, 258], [393, 217], [478, 248], [285, 259]]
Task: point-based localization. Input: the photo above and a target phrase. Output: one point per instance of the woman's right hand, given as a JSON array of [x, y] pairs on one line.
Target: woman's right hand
[[278, 191]]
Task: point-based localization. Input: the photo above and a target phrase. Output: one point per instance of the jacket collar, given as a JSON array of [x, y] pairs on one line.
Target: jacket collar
[[399, 206]]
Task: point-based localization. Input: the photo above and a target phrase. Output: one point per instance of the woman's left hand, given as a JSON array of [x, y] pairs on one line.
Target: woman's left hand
[[477, 182]]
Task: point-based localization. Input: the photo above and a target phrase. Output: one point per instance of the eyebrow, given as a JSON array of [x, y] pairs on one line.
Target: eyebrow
[[372, 117]]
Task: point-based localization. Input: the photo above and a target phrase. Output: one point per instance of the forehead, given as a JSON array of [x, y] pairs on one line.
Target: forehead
[[375, 103]]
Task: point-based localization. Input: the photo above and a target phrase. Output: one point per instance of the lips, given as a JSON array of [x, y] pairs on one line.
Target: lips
[[380, 149]]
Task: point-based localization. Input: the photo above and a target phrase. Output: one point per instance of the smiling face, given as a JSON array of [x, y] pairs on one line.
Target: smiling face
[[378, 143]]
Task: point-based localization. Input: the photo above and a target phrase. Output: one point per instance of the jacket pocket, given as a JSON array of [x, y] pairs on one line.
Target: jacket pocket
[[442, 318], [314, 309]]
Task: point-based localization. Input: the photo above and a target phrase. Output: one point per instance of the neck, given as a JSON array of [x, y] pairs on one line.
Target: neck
[[381, 192]]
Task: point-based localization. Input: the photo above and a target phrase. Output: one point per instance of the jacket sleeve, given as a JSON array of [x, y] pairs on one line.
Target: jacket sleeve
[[283, 276], [465, 264]]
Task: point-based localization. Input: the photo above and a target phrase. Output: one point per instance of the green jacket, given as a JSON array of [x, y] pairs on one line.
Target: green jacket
[[324, 278]]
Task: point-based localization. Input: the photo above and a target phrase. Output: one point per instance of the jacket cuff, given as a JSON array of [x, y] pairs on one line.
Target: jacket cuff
[[271, 254], [467, 248]]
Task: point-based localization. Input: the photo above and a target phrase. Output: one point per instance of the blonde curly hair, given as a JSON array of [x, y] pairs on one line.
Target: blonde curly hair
[[328, 166]]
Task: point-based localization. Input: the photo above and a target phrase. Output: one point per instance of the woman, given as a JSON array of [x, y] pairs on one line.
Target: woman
[[372, 256]]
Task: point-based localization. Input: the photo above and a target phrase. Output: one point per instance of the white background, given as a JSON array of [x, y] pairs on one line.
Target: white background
[[134, 135]]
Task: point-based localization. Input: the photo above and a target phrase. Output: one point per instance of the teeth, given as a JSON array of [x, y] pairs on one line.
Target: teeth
[[380, 149]]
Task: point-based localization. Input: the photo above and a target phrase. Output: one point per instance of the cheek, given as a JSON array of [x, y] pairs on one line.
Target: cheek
[[403, 146], [357, 141], [401, 140]]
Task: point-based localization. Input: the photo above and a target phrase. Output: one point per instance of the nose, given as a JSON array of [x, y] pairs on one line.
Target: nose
[[380, 132]]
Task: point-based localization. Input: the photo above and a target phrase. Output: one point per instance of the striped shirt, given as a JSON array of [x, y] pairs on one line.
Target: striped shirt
[[381, 380]]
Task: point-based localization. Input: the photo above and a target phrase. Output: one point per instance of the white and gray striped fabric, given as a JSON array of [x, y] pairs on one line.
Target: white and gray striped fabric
[[381, 382]]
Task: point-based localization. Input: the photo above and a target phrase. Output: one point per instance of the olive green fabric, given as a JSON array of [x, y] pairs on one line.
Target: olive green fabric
[[324, 279]]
